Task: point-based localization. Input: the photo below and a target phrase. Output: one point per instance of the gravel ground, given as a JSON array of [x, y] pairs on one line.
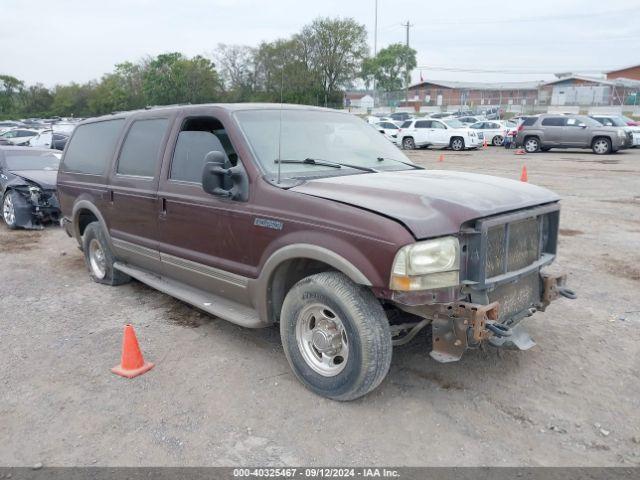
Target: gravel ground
[[224, 395]]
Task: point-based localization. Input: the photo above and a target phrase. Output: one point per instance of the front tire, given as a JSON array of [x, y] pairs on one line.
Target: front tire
[[457, 144], [99, 258], [9, 209], [497, 140], [336, 336], [601, 146]]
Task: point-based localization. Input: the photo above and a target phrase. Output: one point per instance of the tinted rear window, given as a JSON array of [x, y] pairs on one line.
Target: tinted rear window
[[141, 149], [406, 124], [528, 121], [554, 121], [92, 147]]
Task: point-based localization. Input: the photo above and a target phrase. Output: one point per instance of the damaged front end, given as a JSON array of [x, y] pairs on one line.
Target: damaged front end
[[502, 282], [34, 206]]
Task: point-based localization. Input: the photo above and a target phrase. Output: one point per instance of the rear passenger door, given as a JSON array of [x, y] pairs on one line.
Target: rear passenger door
[[422, 134], [553, 130], [576, 133], [133, 187]]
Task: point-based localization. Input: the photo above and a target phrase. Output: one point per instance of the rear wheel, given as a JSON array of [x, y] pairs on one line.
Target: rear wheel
[[497, 140], [531, 145], [99, 258], [457, 144], [601, 146], [336, 336], [408, 143]]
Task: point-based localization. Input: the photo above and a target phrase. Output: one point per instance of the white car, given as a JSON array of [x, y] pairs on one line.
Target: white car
[[438, 133], [8, 125], [493, 131], [19, 136], [389, 129], [618, 121]]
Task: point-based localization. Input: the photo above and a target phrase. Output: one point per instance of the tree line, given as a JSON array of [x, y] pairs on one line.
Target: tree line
[[312, 67]]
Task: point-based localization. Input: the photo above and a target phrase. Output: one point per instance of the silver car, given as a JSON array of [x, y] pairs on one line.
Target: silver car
[[544, 132]]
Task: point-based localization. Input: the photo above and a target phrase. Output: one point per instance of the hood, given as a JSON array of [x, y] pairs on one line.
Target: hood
[[429, 203], [45, 178]]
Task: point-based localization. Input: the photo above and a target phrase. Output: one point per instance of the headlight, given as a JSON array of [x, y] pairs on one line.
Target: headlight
[[426, 265], [35, 193], [622, 133]]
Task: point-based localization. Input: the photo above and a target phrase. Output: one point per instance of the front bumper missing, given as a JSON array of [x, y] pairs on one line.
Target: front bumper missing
[[457, 326]]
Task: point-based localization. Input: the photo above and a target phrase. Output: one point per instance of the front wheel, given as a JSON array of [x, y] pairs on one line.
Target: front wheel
[[9, 209], [601, 146], [457, 144], [336, 336], [497, 140]]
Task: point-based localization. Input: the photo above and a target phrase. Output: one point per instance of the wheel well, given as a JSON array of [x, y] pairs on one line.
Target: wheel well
[[599, 137], [84, 218], [454, 137], [531, 136], [285, 276]]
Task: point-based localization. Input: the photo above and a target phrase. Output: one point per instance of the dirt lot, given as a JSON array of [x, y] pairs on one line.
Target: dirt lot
[[223, 395]]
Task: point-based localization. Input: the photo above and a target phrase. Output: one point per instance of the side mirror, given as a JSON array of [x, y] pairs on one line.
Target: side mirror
[[218, 180], [582, 125]]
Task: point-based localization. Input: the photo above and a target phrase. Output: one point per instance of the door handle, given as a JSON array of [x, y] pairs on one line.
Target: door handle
[[163, 207]]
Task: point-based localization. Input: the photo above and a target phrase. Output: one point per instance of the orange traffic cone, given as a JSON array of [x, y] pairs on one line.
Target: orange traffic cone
[[520, 152], [485, 144], [132, 363], [523, 175], [441, 157]]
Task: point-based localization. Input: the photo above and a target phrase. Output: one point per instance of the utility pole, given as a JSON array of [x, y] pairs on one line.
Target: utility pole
[[407, 25], [375, 49]]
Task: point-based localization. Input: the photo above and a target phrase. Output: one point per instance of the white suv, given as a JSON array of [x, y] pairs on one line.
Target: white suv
[[438, 133]]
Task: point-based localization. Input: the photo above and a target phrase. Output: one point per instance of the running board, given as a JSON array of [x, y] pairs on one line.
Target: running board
[[211, 303]]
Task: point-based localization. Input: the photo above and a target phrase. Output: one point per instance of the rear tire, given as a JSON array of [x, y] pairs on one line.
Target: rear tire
[[99, 258], [408, 143], [601, 146], [336, 336], [497, 140]]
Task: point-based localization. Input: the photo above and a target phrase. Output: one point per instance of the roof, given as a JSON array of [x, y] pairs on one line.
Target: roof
[[480, 85], [623, 68], [612, 82], [231, 107]]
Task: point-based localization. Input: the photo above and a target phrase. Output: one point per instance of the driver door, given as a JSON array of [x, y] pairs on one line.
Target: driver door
[[204, 239]]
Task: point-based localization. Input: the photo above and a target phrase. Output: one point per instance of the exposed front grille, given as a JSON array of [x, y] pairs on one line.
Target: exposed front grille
[[512, 245]]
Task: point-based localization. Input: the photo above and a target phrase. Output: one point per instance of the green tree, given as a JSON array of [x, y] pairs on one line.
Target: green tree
[[173, 78], [336, 49], [36, 100], [72, 99], [390, 67], [9, 89]]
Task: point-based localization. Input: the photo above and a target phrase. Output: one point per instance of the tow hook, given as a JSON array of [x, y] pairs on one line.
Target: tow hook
[[567, 293], [499, 329]]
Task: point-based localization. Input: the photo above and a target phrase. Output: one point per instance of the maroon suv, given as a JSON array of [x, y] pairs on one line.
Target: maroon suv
[[307, 217]]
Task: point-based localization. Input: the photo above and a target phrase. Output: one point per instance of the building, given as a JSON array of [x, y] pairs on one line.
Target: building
[[360, 100], [632, 73], [443, 93], [571, 89]]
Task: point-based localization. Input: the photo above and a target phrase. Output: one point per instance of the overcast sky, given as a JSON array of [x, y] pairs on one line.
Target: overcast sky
[[58, 41]]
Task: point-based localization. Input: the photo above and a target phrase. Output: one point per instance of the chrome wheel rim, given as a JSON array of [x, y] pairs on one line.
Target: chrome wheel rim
[[8, 211], [97, 259], [456, 144], [408, 144], [531, 145], [497, 140], [322, 340], [601, 146]]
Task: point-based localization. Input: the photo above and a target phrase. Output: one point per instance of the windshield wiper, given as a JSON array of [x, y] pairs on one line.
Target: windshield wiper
[[326, 163], [417, 167]]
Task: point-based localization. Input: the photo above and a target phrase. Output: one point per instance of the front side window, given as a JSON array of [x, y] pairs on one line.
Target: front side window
[[92, 146], [141, 149], [298, 134], [199, 136], [438, 125], [453, 123]]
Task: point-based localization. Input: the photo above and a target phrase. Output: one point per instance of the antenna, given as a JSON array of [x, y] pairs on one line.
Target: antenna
[[280, 126]]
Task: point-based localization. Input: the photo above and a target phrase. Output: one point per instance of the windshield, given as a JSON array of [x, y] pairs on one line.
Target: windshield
[[321, 135], [453, 123], [615, 121], [31, 161], [590, 122]]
